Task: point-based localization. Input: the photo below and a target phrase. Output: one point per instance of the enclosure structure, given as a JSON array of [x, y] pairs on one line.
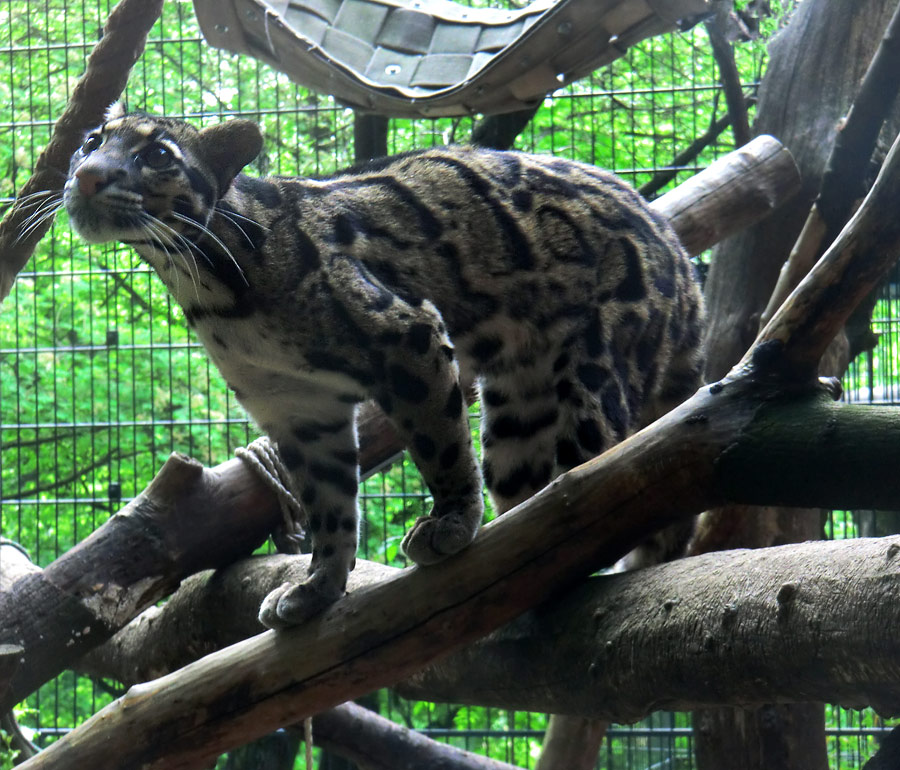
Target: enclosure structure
[[101, 381]]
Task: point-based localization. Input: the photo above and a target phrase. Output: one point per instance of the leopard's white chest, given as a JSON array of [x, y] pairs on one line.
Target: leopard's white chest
[[258, 361]]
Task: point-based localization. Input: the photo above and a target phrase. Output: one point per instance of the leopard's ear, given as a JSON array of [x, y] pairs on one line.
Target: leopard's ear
[[227, 147], [115, 111]]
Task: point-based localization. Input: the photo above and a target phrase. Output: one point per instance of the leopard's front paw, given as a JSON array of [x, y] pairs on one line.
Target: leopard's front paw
[[292, 604], [433, 539]]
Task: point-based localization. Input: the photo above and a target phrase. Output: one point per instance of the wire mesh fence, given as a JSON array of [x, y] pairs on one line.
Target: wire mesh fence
[[100, 379]]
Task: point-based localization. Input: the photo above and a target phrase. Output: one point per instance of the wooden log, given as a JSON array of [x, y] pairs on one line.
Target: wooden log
[[188, 519], [846, 610], [584, 520], [793, 623], [372, 742], [737, 190]]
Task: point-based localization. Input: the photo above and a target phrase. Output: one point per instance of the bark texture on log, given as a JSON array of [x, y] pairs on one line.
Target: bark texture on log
[[811, 620]]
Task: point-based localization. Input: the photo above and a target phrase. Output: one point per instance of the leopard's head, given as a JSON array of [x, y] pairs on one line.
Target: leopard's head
[[139, 178]]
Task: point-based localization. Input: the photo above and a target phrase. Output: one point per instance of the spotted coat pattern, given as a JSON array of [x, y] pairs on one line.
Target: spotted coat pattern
[[547, 282]]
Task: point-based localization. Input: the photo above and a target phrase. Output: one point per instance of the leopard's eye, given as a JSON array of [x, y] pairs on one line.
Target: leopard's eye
[[91, 144], [156, 156]]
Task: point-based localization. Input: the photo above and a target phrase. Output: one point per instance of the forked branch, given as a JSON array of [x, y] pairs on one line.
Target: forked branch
[[103, 81]]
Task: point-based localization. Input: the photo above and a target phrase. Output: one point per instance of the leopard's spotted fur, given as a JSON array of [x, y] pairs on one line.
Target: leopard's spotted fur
[[548, 282]]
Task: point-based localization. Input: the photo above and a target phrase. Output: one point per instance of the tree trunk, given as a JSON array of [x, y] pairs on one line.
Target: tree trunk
[[802, 100]]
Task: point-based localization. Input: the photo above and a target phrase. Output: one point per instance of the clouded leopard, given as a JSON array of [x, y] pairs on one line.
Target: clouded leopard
[[547, 282]]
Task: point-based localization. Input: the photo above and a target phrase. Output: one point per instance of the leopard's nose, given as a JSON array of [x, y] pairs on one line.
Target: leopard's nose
[[89, 181]]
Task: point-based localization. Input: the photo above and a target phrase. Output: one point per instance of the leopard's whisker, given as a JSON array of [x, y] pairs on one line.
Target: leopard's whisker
[[215, 238], [47, 210], [174, 238], [234, 216], [32, 199]]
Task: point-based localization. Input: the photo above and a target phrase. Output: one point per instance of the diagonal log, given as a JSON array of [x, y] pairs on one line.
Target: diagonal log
[[386, 631], [103, 81], [792, 343], [843, 183]]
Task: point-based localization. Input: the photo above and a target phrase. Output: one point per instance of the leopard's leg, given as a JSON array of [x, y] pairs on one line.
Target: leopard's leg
[[520, 412], [416, 382], [424, 399], [317, 443]]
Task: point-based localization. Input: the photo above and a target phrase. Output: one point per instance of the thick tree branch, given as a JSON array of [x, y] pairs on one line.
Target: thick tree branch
[[102, 83], [792, 343], [374, 743], [848, 165], [586, 519], [814, 620], [723, 52]]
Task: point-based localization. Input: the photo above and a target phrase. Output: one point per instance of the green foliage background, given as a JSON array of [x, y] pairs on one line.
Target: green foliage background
[[100, 380]]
